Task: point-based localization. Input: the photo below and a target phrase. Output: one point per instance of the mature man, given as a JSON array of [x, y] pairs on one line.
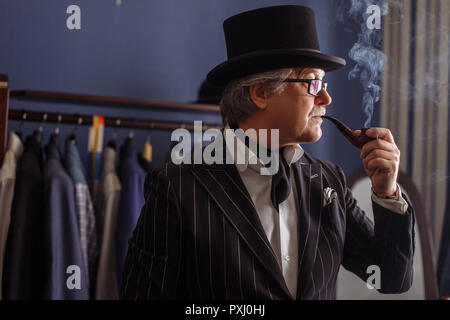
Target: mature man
[[226, 231]]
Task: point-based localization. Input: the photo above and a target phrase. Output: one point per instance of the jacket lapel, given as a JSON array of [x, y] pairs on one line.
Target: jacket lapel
[[226, 188], [310, 188]]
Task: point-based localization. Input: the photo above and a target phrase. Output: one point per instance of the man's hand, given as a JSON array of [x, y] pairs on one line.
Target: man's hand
[[381, 159]]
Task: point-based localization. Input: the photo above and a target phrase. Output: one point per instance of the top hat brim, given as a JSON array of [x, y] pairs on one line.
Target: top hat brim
[[266, 60]]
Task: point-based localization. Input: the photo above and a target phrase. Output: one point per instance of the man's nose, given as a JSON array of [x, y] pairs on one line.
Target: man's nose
[[323, 99]]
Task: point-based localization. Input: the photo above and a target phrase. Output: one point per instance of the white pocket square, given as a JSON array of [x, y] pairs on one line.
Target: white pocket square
[[329, 195]]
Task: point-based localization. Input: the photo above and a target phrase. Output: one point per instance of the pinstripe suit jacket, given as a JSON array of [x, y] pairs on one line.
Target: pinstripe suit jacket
[[200, 237]]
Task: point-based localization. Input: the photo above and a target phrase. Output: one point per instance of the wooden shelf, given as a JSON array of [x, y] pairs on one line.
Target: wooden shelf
[[72, 98]]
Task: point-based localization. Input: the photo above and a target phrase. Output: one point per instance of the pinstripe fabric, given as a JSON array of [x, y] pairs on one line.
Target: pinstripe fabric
[[199, 237]]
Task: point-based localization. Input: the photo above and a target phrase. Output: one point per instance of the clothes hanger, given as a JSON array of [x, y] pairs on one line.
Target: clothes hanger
[[72, 135], [37, 134], [18, 132], [54, 138], [130, 139], [112, 142]]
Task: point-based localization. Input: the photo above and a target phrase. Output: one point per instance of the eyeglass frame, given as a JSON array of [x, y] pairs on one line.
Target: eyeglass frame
[[308, 81]]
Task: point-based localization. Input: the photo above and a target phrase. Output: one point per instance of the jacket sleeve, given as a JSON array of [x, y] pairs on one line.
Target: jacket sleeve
[[386, 245], [152, 265]]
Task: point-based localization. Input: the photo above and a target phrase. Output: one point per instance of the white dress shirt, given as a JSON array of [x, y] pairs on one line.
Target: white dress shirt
[[281, 226]]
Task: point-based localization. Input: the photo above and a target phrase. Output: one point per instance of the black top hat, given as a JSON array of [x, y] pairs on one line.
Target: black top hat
[[271, 38]]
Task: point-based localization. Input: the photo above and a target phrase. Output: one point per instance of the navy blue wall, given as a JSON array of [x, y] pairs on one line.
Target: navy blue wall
[[160, 49]]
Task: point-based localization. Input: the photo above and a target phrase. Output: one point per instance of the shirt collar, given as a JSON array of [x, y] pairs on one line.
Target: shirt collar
[[292, 152]]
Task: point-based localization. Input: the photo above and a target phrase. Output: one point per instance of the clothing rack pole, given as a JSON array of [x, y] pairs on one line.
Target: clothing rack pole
[[66, 118], [61, 97], [4, 95]]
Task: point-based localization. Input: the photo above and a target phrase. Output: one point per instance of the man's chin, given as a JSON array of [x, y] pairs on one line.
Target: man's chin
[[311, 137]]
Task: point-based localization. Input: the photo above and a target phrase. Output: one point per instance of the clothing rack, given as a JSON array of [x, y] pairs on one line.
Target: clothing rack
[[92, 100], [67, 118]]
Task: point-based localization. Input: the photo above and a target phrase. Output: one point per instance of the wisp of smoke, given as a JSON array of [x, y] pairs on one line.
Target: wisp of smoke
[[369, 59]]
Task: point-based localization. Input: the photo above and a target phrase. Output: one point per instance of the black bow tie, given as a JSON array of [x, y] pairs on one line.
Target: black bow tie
[[281, 182]]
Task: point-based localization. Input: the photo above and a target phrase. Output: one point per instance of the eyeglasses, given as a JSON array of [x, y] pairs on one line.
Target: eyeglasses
[[314, 85]]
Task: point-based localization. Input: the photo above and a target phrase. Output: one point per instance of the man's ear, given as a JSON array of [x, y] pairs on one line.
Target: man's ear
[[258, 95]]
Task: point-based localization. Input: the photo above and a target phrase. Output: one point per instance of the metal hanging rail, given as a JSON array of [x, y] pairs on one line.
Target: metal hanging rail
[[67, 118]]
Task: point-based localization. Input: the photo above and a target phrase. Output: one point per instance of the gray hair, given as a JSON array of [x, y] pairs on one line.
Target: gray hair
[[237, 105]]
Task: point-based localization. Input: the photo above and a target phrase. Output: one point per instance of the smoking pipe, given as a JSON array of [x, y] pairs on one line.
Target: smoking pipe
[[357, 140]]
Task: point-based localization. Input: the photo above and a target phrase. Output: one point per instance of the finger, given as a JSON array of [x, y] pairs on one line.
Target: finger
[[381, 164], [382, 133], [386, 164], [378, 144], [380, 153]]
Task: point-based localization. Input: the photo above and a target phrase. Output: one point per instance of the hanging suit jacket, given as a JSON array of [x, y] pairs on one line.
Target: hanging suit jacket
[[107, 206], [23, 268], [200, 237], [7, 181], [62, 235], [132, 178], [85, 211]]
